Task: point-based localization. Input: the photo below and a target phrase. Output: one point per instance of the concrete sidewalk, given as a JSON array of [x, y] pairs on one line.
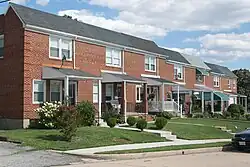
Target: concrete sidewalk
[[90, 151]]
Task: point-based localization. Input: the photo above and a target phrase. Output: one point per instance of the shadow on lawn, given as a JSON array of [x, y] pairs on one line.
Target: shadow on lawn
[[52, 138]]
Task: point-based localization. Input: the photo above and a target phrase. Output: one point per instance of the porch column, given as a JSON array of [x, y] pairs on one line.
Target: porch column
[[178, 97], [246, 104], [222, 105], [212, 102], [202, 102], [162, 98], [100, 99], [66, 90], [124, 100], [145, 99]]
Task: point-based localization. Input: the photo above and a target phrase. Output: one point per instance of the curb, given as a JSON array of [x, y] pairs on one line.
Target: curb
[[154, 154]]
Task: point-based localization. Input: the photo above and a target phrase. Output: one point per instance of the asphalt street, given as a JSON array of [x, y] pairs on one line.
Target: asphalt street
[[13, 155]]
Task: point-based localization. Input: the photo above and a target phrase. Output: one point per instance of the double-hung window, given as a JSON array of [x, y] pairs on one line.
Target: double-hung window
[[150, 63], [38, 91], [95, 92], [234, 84], [139, 93], [60, 48], [229, 83], [216, 81], [178, 72], [109, 92], [55, 91], [113, 57], [1, 46]]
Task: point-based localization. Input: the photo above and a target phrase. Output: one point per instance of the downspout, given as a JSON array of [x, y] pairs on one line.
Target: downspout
[[123, 60], [74, 53]]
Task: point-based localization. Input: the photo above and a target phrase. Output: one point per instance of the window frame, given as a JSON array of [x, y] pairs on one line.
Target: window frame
[[176, 67], [33, 91], [112, 92], [216, 81], [61, 89], [112, 57], [140, 90], [2, 38], [71, 43], [229, 83], [95, 84], [234, 84], [149, 63]]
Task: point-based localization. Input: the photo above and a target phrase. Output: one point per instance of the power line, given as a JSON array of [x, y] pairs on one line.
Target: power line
[[4, 1]]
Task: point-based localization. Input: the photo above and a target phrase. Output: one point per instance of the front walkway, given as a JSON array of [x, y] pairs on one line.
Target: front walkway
[[89, 151]]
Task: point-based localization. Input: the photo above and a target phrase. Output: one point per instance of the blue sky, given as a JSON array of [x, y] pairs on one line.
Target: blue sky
[[215, 30]]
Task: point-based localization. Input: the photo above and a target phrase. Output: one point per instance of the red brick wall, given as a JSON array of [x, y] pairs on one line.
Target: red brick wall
[[11, 67], [209, 81], [166, 70], [1, 23], [190, 77]]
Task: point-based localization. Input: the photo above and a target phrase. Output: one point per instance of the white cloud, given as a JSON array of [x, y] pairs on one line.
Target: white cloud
[[220, 47], [187, 15], [42, 2], [98, 19], [20, 1]]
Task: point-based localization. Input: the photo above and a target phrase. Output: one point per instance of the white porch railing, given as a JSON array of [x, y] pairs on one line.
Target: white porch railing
[[169, 106]]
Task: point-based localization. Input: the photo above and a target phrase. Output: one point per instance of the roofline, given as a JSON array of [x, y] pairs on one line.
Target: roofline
[[86, 39], [10, 6], [181, 63]]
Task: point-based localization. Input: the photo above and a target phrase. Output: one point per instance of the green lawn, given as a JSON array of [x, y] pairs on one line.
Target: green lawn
[[167, 148], [230, 124], [86, 137]]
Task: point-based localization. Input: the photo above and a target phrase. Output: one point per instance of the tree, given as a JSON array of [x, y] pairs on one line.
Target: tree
[[243, 83]]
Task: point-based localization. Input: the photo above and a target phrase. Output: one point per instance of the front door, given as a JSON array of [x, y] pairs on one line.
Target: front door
[[72, 92]]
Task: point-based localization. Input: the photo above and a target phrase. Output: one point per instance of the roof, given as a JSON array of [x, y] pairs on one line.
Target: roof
[[221, 70], [195, 61], [61, 73], [173, 55], [51, 21], [157, 81], [111, 77]]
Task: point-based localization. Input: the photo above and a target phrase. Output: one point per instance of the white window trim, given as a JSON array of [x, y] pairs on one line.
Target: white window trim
[[182, 72], [120, 56], [140, 87], [60, 48], [2, 37], [155, 63], [216, 86], [61, 90], [112, 92], [97, 85], [234, 84], [33, 92]]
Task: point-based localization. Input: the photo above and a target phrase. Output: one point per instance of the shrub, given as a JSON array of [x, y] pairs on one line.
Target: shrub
[[218, 116], [198, 115], [86, 111], [131, 121], [165, 114], [112, 122], [120, 119], [47, 115], [208, 114], [242, 110], [141, 124], [161, 122], [109, 114], [247, 117], [67, 119], [234, 111]]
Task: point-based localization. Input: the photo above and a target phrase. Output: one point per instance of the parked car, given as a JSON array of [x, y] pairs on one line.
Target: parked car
[[241, 140]]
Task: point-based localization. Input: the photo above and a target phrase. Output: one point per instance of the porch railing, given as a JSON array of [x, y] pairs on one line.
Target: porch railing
[[169, 106]]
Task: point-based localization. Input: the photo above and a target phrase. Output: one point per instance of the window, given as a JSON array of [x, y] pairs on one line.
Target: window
[[55, 91], [216, 81], [234, 84], [178, 72], [113, 57], [95, 92], [60, 48], [150, 63], [229, 83], [139, 93], [109, 92], [38, 91]]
